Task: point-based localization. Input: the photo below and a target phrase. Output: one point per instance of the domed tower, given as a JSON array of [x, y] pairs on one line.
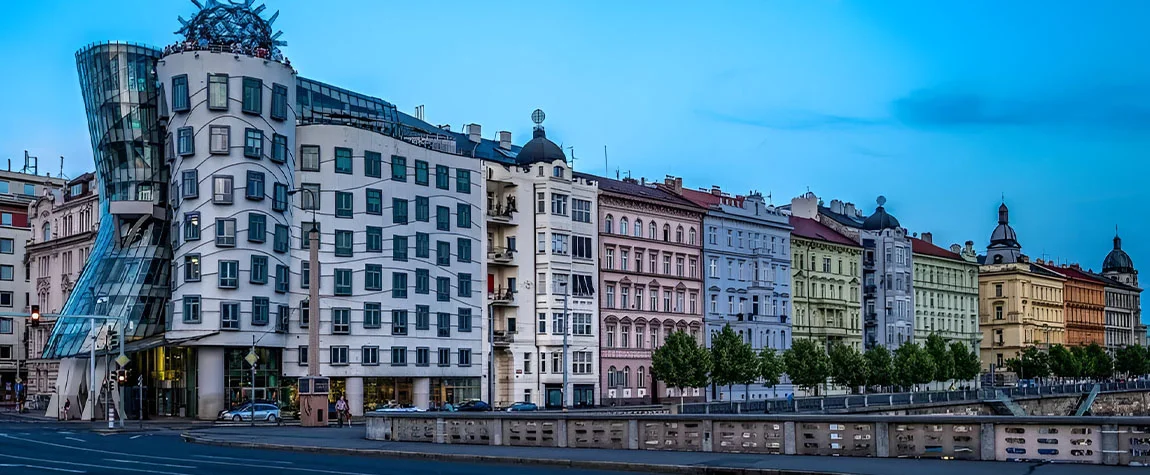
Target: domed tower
[[1004, 247], [880, 220], [1118, 265], [540, 149]]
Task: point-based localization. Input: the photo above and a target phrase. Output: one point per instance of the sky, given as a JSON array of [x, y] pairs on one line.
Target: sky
[[945, 108]]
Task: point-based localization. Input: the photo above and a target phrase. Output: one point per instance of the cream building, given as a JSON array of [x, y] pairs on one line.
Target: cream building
[[826, 278], [946, 292]]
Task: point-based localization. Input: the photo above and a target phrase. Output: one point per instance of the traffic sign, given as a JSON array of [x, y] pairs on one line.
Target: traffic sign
[[122, 360], [251, 358]]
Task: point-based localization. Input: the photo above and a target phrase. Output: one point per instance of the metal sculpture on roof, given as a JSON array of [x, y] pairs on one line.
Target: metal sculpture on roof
[[228, 22]]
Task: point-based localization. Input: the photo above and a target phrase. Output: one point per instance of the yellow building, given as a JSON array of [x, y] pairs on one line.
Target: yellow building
[[826, 270], [945, 292], [1020, 303]]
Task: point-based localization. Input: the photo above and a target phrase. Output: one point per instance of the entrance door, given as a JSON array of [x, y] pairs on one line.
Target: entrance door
[[554, 397], [490, 283]]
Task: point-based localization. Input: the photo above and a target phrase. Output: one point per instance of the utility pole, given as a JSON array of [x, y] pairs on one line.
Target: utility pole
[[490, 355], [252, 363]]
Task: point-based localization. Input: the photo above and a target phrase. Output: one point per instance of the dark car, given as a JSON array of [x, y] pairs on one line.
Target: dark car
[[474, 406], [522, 407]]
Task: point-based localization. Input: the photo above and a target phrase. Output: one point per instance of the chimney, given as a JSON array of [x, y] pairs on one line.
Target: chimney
[[836, 206], [805, 206], [643, 180], [849, 210], [928, 237], [1075, 266], [675, 184], [474, 132], [505, 140], [630, 180], [1025, 258], [446, 127], [715, 190], [1039, 261]]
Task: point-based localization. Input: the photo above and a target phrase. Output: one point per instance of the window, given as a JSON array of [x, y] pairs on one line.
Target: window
[[558, 204], [422, 281], [559, 244], [192, 268], [399, 285], [259, 271], [462, 180], [581, 212], [399, 248], [343, 160], [338, 355], [279, 148], [279, 101], [442, 253], [398, 211], [222, 190], [281, 239], [253, 95], [558, 325], [581, 247], [229, 272], [340, 321], [344, 241], [186, 143], [374, 239], [257, 227], [557, 171], [398, 168], [443, 324], [421, 172], [229, 315], [281, 279], [7, 246], [302, 355], [463, 250], [541, 203], [422, 356], [691, 241], [422, 245], [581, 324], [373, 277], [253, 143], [180, 101], [369, 356], [464, 320], [442, 289], [191, 226], [310, 197], [372, 164], [464, 284], [6, 299], [581, 362], [304, 313], [225, 232], [422, 317], [218, 92], [442, 218], [344, 204], [343, 281], [191, 309], [444, 356], [5, 218], [191, 183], [441, 178], [372, 315], [279, 197], [998, 290], [260, 308], [422, 209], [255, 186], [463, 215], [998, 312], [309, 158], [465, 357]]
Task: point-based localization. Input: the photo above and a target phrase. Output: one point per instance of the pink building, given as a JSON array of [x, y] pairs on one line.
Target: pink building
[[650, 270]]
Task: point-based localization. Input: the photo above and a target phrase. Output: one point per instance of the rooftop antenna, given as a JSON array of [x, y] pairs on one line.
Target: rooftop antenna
[[616, 173], [419, 112], [62, 168], [770, 198], [606, 168], [30, 164], [572, 149]]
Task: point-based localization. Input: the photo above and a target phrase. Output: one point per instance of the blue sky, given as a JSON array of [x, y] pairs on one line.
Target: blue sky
[[942, 107]]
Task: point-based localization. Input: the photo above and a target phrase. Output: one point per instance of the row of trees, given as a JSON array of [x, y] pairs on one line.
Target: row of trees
[[1079, 362], [682, 363]]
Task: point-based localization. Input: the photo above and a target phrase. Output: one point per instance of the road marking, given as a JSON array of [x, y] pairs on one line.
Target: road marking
[[150, 463], [240, 459], [77, 464], [134, 437], [170, 459], [41, 467], [76, 439]]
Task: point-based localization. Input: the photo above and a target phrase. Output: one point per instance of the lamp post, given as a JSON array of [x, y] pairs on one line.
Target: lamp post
[[315, 399], [566, 298]]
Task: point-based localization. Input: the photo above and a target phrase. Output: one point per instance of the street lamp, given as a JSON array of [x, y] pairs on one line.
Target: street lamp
[[566, 298], [316, 396]]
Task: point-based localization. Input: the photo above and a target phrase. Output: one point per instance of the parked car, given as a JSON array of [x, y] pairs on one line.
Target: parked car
[[263, 412], [1027, 383], [522, 407], [474, 405]]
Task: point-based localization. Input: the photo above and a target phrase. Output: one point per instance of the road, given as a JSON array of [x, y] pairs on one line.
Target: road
[[50, 448]]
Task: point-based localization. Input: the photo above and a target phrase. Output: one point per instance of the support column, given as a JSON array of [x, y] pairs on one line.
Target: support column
[[209, 382], [354, 388], [421, 392]]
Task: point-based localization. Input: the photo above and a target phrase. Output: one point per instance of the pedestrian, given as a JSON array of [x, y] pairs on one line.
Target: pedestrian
[[67, 408], [341, 409]]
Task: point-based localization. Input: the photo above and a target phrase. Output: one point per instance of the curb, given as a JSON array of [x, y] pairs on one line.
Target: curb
[[501, 459]]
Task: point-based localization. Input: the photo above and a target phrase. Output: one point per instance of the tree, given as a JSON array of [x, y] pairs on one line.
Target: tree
[[770, 367], [943, 360], [1130, 360], [807, 364], [1101, 365], [1085, 363], [723, 345], [1064, 363], [746, 366], [880, 366], [681, 363], [848, 366], [912, 365], [967, 365], [1031, 364]]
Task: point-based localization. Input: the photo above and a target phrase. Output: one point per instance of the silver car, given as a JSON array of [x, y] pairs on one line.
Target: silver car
[[263, 412]]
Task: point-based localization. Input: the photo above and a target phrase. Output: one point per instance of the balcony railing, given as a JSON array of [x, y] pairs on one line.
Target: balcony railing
[[501, 255], [502, 337], [501, 296], [502, 212], [870, 289], [868, 263]]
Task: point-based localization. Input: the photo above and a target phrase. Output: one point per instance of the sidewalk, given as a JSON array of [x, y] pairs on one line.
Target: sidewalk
[[350, 441]]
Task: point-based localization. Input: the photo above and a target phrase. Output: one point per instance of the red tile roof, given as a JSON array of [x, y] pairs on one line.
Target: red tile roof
[[922, 247], [708, 199], [1075, 274], [811, 229]]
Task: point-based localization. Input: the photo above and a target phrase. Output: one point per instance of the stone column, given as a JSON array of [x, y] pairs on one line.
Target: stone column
[[354, 388], [421, 392], [209, 382]]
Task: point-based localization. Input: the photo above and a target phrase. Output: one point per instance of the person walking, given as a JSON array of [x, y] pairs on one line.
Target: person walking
[[341, 409]]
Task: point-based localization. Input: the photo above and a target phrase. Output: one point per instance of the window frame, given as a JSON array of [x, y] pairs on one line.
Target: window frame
[[254, 186], [179, 93], [254, 150], [344, 155], [213, 103], [252, 99]]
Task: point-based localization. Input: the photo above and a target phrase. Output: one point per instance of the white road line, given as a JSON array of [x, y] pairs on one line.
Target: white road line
[[41, 467], [134, 437], [170, 459], [240, 459], [150, 463], [75, 439], [77, 464]]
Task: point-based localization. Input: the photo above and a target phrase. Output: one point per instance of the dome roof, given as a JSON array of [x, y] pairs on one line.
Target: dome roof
[[224, 22], [540, 149], [1004, 234], [880, 219], [1118, 260]]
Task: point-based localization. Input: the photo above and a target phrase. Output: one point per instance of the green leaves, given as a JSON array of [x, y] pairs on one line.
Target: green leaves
[[681, 362], [967, 365], [912, 365], [941, 356], [1131, 360], [806, 364], [1063, 363], [770, 367], [1033, 363], [880, 365], [848, 366]]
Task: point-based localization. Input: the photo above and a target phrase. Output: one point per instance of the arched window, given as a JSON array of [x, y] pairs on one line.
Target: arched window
[[640, 378], [47, 232], [607, 224], [612, 379], [666, 232], [623, 226], [626, 377], [651, 231], [691, 237], [638, 228], [679, 234]]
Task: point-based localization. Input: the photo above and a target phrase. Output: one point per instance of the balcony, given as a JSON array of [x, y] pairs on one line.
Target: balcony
[[502, 338], [999, 343], [501, 255], [501, 297], [762, 284], [868, 263], [870, 290], [501, 213]]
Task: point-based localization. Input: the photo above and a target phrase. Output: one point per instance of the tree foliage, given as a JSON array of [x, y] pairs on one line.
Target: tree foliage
[[942, 358], [880, 366], [1101, 365], [1130, 360], [848, 366], [912, 365], [770, 367], [681, 363], [1064, 363], [967, 364], [806, 364], [723, 347], [1032, 363]]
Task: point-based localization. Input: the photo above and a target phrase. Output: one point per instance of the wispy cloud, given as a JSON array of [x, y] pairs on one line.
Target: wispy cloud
[[792, 120], [1100, 107]]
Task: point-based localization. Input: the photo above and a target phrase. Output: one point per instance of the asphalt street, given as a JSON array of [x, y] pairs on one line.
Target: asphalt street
[[43, 448]]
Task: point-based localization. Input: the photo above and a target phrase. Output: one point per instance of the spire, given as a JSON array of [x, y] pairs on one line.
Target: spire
[[1117, 243], [1003, 214]]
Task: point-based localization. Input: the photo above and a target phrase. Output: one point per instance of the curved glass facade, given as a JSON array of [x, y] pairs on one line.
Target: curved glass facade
[[127, 275]]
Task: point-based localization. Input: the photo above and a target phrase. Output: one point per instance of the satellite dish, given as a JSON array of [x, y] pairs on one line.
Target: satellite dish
[[881, 200], [537, 116]]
